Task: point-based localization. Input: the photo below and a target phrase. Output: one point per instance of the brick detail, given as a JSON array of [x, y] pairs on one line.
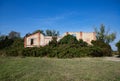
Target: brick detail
[[39, 39], [25, 42], [80, 35]]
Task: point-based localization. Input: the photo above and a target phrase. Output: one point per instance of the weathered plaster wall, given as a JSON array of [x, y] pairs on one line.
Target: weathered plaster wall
[[86, 36], [47, 39], [41, 40], [36, 39]]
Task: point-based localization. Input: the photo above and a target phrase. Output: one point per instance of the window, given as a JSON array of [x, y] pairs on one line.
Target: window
[[32, 41]]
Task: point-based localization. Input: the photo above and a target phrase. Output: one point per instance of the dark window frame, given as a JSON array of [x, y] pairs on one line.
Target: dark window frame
[[31, 41]]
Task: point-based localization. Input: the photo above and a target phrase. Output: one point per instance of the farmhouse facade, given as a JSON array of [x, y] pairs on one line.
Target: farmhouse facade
[[38, 39]]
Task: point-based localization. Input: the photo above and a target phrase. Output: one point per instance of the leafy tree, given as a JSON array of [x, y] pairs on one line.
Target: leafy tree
[[6, 43], [118, 46], [53, 42], [27, 34], [41, 31], [2, 37], [104, 35], [51, 33], [14, 34], [68, 39]]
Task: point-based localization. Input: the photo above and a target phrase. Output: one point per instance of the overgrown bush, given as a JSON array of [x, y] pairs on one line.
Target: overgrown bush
[[68, 47], [70, 51], [82, 43], [35, 52], [95, 51], [6, 43], [11, 47], [68, 39], [53, 42], [12, 52], [105, 48]]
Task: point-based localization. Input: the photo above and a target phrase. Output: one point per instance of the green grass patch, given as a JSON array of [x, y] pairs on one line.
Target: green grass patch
[[53, 69]]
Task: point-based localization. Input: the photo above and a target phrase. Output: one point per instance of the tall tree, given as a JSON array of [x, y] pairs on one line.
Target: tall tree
[[51, 33], [104, 35], [41, 31], [14, 34]]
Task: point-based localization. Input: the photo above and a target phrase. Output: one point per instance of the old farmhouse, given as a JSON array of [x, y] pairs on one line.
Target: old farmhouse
[[38, 39]]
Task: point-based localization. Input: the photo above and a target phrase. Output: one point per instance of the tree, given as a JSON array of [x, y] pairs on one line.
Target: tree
[[14, 34], [41, 31], [104, 35], [2, 37], [6, 43], [27, 34], [53, 42], [118, 46], [68, 39], [51, 33]]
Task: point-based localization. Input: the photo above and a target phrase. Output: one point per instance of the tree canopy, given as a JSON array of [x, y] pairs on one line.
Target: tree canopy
[[68, 39], [46, 33], [51, 33], [104, 35], [14, 34], [41, 31]]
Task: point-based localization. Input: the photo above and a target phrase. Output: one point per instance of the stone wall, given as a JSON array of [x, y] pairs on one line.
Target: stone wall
[[36, 40], [85, 36], [41, 40]]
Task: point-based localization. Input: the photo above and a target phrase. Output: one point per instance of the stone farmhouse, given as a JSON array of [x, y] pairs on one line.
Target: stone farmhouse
[[38, 39]]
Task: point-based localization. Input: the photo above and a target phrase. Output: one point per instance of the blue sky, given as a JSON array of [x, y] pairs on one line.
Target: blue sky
[[63, 15]]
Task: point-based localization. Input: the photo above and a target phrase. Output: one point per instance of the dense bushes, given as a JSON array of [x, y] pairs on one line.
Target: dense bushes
[[105, 48], [5, 43], [62, 51], [68, 47], [11, 47], [42, 51]]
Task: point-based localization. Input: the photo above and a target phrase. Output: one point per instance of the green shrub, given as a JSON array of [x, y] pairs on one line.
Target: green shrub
[[70, 51], [95, 51], [68, 39], [29, 52], [5, 43], [118, 46], [65, 49], [82, 43], [35, 52], [53, 43], [105, 48], [12, 52]]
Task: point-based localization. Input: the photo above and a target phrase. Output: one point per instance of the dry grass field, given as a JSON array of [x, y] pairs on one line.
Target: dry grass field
[[54, 69]]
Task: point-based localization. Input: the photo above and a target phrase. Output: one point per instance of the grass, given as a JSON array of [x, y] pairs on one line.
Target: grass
[[53, 69]]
